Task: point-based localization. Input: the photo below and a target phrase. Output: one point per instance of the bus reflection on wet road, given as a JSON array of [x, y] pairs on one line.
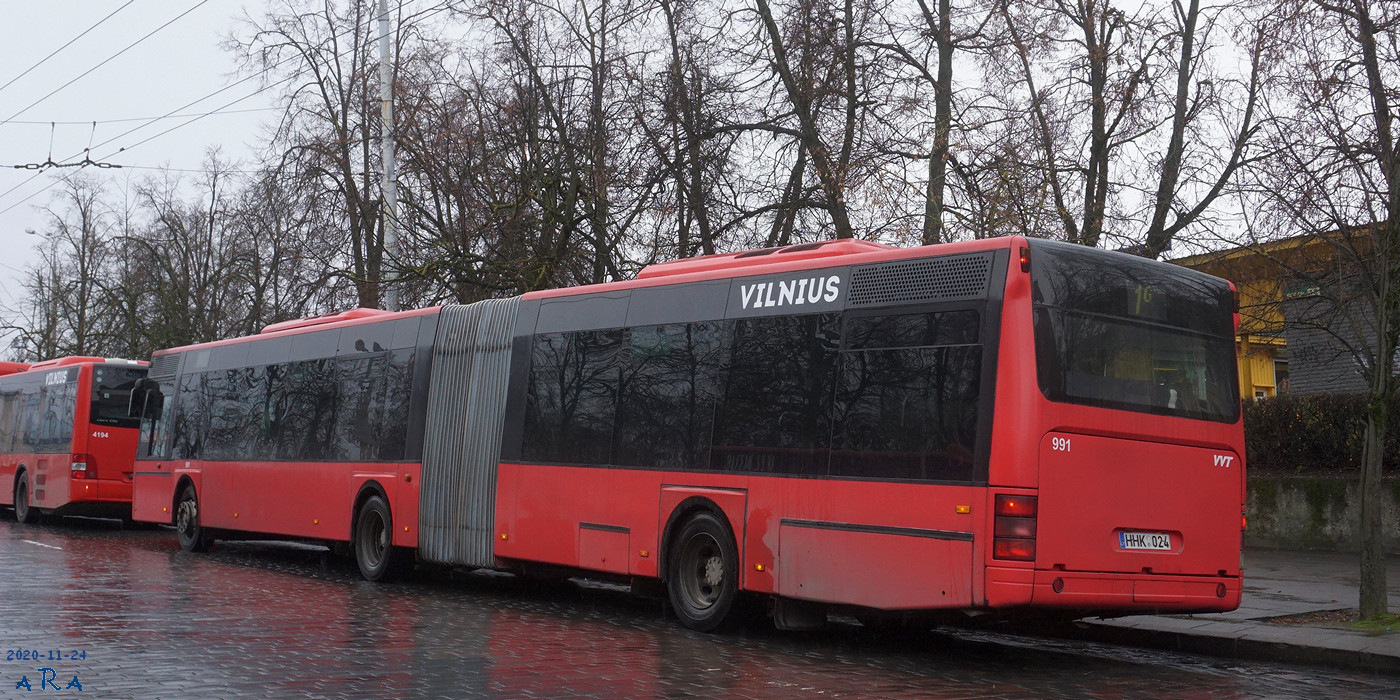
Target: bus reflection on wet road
[[278, 619]]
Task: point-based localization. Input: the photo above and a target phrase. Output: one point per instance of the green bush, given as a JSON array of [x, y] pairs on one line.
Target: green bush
[[1318, 433]]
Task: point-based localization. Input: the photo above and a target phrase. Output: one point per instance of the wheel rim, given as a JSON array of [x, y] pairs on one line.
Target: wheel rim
[[702, 572], [373, 538], [187, 519]]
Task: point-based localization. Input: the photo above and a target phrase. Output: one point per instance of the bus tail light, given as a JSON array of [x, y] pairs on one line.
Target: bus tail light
[[1235, 305], [1013, 530], [82, 467]]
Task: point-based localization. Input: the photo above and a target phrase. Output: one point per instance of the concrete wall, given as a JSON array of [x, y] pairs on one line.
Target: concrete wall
[[1315, 513]]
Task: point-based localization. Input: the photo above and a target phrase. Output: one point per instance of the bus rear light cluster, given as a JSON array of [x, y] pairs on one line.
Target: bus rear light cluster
[[79, 464], [1013, 530], [1235, 305]]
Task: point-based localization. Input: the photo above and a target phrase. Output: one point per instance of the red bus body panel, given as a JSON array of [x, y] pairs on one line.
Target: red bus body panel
[[272, 497], [105, 488], [894, 546], [296, 499], [899, 546]]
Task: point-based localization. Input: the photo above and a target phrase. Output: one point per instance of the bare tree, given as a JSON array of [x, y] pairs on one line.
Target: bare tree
[[1104, 89], [289, 269], [190, 261], [470, 185], [1197, 95], [64, 310], [38, 327], [926, 43], [686, 144], [1332, 182], [570, 64], [326, 57], [811, 82]]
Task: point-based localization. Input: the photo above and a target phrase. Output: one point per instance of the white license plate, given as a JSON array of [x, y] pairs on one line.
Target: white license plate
[[1158, 541]]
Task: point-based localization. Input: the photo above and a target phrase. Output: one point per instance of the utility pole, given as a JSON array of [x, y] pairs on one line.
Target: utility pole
[[389, 211]]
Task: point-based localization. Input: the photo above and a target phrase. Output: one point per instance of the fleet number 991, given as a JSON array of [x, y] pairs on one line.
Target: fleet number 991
[[1059, 444]]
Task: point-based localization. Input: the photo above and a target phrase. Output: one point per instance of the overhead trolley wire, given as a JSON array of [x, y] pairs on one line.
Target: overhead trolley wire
[[192, 120], [105, 61], [138, 143], [424, 14], [230, 86], [136, 119], [70, 43]]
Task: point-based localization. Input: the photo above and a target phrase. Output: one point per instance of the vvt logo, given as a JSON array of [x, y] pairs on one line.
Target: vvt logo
[[1224, 460]]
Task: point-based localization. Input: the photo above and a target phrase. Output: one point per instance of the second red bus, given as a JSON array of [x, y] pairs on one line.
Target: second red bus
[[66, 442]]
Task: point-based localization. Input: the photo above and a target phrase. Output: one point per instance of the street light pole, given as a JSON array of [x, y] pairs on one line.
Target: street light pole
[[391, 195]]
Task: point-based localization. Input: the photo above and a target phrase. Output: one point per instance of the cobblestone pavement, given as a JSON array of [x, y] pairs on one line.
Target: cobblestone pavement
[[256, 619]]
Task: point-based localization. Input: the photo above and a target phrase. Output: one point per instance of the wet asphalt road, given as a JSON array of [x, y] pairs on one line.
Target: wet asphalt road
[[262, 619]]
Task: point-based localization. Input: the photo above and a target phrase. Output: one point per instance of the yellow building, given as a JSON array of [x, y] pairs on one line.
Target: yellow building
[[1260, 275]]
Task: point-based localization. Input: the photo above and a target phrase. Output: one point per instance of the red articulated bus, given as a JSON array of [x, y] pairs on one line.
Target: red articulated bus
[[996, 425], [66, 441]]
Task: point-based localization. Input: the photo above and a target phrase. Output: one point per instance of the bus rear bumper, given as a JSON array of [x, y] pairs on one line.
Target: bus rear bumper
[[94, 509], [1111, 592], [112, 490], [96, 498]]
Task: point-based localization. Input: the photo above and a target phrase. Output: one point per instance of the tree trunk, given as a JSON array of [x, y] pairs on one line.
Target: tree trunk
[[1097, 27], [1157, 237], [943, 124], [1373, 585]]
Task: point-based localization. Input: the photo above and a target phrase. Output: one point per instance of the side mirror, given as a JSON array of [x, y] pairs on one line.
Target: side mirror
[[146, 399], [136, 402], [155, 403]]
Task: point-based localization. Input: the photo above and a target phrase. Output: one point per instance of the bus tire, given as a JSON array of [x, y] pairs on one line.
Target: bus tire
[[24, 513], [375, 553], [193, 536], [703, 573]]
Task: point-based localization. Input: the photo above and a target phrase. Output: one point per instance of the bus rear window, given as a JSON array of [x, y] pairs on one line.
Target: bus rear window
[[111, 392], [1121, 332]]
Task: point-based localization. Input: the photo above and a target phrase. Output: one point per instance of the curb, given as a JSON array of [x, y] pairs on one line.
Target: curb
[[1234, 647]]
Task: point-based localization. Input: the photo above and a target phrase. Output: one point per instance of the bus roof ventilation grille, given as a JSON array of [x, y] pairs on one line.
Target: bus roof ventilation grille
[[164, 366], [927, 279]]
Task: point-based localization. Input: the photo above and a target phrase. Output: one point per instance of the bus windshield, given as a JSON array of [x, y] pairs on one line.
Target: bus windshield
[[1121, 332], [111, 392]]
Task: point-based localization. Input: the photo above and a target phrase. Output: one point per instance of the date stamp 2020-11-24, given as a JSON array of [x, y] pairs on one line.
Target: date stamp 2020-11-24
[[45, 678]]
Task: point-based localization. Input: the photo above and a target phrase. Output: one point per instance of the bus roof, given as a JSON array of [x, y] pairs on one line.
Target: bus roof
[[343, 319], [769, 260], [351, 315], [752, 258], [708, 267], [83, 360]]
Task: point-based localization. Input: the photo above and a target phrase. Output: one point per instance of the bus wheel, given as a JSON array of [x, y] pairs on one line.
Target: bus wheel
[[703, 573], [193, 537], [375, 553], [24, 513]]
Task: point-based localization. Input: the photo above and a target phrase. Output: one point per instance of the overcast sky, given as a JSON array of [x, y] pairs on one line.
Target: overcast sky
[[175, 66]]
